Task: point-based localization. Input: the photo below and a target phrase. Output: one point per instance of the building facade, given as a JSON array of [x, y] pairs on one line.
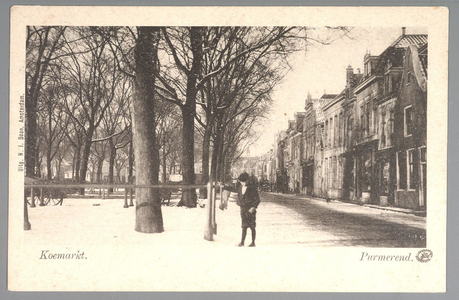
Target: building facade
[[370, 169], [411, 131], [368, 143], [309, 146]]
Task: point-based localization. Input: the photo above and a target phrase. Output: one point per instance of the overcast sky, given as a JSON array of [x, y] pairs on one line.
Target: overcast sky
[[322, 68]]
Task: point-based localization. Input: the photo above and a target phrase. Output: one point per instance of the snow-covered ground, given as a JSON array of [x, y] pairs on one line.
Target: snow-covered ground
[[117, 258]]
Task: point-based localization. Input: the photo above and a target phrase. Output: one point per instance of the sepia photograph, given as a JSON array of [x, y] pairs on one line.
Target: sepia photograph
[[227, 149]]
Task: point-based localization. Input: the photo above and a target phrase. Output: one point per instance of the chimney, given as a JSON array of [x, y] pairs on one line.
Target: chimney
[[349, 75], [308, 100], [403, 30]]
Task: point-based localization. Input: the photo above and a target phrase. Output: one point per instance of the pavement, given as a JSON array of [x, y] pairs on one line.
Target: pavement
[[420, 213]]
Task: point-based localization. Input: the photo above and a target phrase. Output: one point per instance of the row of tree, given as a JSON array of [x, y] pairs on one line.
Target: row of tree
[[145, 89], [78, 107]]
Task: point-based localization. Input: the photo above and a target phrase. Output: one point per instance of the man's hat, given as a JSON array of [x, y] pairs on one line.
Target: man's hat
[[243, 177]]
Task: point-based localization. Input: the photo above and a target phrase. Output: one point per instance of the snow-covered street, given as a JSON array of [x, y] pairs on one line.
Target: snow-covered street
[[289, 254]]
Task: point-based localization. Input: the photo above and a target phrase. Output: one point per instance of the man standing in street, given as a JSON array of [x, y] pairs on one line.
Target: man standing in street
[[248, 200]]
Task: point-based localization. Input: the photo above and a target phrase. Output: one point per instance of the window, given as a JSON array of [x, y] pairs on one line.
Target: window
[[335, 132], [367, 121], [411, 173], [326, 133], [335, 174], [408, 120], [408, 78], [330, 173], [401, 167], [388, 84], [390, 128], [340, 130], [383, 130], [375, 120], [330, 136], [423, 157], [350, 128]]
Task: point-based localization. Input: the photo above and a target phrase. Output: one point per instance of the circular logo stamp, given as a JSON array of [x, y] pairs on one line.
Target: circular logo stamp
[[424, 255]]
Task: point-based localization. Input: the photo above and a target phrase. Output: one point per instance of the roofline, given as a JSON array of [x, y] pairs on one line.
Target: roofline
[[333, 102], [366, 82]]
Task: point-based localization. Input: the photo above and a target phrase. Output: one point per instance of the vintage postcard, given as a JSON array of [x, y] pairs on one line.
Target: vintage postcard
[[279, 149]]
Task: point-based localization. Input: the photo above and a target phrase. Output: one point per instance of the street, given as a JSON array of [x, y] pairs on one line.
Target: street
[[295, 237], [291, 219]]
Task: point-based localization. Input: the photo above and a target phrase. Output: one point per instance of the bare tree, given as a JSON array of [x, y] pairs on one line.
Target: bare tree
[[168, 132], [41, 46], [116, 125], [52, 121], [93, 78]]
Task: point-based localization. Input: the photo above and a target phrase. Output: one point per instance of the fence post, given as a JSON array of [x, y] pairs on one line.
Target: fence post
[[214, 204], [130, 200], [27, 225], [32, 198], [125, 198], [41, 198], [208, 231], [103, 193]]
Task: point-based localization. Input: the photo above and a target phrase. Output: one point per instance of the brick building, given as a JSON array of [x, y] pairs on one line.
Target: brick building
[[411, 131], [370, 157], [368, 143]]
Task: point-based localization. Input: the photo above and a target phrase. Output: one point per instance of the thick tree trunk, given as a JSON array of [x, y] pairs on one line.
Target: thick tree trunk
[[49, 168], [221, 160], [131, 162], [37, 161], [205, 161], [100, 165], [59, 164], [189, 197], [205, 157], [164, 164], [77, 164], [216, 149], [111, 164], [73, 165], [85, 158], [172, 168], [148, 204]]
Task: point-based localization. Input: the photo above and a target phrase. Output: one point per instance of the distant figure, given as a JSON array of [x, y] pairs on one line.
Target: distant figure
[[248, 199]]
